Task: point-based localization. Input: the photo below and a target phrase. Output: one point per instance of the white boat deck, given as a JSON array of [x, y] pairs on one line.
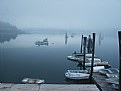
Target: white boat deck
[[48, 87]]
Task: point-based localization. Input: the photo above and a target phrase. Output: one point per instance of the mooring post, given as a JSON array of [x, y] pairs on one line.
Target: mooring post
[[89, 44], [119, 35], [93, 49], [85, 39], [81, 43]]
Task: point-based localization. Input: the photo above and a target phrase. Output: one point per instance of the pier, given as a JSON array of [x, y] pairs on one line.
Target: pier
[[99, 79], [48, 87], [101, 83]]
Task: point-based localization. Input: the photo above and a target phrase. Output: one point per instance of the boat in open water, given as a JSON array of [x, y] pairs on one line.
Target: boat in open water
[[44, 42]]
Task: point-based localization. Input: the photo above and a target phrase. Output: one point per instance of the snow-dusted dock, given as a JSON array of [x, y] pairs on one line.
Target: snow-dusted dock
[[48, 87]]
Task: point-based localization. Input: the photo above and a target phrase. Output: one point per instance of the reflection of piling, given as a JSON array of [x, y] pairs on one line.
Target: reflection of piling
[[119, 35], [100, 39], [93, 49], [85, 39], [66, 38], [81, 43]]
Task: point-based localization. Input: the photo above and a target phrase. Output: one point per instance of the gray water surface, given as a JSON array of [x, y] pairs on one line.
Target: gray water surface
[[21, 58]]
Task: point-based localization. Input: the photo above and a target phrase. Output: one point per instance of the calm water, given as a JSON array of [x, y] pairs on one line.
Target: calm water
[[20, 57]]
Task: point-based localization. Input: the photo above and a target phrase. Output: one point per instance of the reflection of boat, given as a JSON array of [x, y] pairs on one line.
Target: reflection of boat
[[41, 43], [78, 56], [44, 42], [77, 74], [110, 72], [32, 81]]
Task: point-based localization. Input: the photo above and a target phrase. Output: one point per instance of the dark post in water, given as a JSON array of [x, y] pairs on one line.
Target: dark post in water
[[85, 39], [81, 43], [119, 35], [89, 45], [93, 49]]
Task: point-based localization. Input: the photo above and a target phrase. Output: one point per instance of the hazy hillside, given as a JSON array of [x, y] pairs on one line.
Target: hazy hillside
[[8, 31]]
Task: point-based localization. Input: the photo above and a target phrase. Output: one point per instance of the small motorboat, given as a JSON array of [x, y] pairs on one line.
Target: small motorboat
[[44, 42], [77, 74], [32, 81], [97, 68], [110, 72]]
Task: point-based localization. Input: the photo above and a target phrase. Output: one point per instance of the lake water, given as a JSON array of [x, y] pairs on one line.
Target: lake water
[[21, 58]]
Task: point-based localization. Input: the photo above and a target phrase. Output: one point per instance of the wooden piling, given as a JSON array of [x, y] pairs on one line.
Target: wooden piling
[[119, 35], [93, 49], [85, 39], [89, 45], [81, 43]]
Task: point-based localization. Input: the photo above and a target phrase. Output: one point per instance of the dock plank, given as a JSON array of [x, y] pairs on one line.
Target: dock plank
[[48, 87], [100, 80], [25, 87], [70, 87]]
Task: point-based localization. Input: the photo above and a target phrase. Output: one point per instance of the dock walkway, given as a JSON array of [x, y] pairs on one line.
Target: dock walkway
[[48, 87], [102, 84]]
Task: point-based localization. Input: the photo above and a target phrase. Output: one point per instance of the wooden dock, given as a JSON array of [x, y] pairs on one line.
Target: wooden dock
[[102, 84], [48, 87]]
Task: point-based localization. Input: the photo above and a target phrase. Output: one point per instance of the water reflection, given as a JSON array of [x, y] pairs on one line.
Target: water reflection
[[7, 37], [72, 36], [100, 39], [23, 55], [73, 81], [66, 38]]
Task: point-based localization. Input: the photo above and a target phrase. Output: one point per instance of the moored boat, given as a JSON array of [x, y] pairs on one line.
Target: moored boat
[[78, 56], [97, 68], [97, 62], [110, 72], [32, 81], [113, 80], [77, 74]]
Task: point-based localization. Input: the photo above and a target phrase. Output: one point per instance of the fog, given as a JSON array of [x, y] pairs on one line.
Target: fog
[[62, 14]]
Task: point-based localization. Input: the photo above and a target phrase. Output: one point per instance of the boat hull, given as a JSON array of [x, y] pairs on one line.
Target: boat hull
[[77, 74]]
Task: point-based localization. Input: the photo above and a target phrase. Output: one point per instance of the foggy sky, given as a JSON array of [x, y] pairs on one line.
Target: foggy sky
[[64, 14]]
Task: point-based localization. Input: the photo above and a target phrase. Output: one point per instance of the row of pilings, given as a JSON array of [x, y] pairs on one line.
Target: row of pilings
[[89, 44]]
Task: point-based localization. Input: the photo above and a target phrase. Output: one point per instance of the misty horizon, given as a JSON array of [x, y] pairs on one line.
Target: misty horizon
[[62, 14]]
